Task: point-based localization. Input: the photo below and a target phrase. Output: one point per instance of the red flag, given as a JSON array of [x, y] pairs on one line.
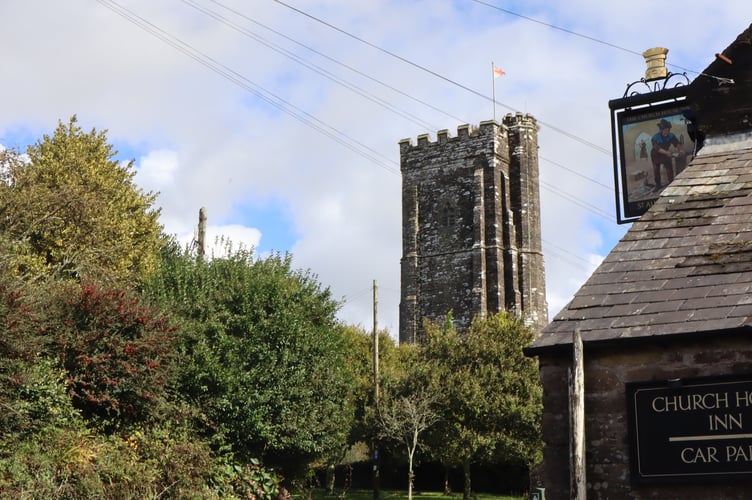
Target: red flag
[[498, 72]]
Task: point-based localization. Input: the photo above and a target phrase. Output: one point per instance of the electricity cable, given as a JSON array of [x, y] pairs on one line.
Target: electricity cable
[[444, 78], [596, 40], [592, 208], [341, 64], [317, 69], [566, 254], [553, 26], [225, 21], [572, 171], [241, 81]]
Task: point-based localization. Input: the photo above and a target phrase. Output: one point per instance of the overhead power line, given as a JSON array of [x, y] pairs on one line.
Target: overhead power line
[[553, 26], [444, 78], [317, 69], [286, 107], [577, 201], [568, 255], [581, 35], [280, 103], [340, 63], [572, 171], [218, 17]]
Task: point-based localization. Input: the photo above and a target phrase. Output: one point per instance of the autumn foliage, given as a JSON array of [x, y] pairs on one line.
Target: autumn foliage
[[116, 352]]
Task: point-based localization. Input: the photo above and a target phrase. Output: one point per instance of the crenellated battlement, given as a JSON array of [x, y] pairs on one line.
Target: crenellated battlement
[[471, 225], [464, 132], [520, 119]]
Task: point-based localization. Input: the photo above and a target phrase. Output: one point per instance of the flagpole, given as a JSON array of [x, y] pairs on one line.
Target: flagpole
[[493, 86]]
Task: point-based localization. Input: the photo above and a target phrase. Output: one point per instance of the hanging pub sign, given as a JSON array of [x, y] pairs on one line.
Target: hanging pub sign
[[652, 136], [691, 429], [652, 144]]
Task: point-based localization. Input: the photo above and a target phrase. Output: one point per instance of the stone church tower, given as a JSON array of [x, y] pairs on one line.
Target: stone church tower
[[471, 237]]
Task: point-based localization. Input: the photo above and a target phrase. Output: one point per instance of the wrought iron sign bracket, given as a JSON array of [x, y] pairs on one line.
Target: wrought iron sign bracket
[[656, 85]]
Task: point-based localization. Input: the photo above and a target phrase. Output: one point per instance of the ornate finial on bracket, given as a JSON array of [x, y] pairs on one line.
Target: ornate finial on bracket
[[657, 77], [655, 58]]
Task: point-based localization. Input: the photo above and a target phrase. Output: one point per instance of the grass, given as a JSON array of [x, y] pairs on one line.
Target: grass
[[402, 495]]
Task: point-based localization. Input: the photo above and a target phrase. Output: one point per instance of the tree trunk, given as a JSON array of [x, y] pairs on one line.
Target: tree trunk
[[410, 475], [467, 489], [330, 478], [447, 488], [376, 473]]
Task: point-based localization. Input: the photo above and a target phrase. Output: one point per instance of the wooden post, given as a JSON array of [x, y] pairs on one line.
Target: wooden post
[[375, 451], [375, 343], [578, 482], [201, 231]]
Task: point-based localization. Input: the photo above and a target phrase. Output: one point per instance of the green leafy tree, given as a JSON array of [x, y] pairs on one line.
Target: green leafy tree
[[87, 407], [358, 349], [33, 397], [489, 394], [404, 419], [87, 401], [68, 208], [264, 360], [392, 374]]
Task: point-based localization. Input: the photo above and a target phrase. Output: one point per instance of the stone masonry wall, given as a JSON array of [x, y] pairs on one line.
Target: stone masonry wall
[[524, 181], [471, 226], [606, 431]]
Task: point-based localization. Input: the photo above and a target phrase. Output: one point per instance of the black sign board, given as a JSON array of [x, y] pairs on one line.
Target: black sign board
[[690, 429], [653, 146]]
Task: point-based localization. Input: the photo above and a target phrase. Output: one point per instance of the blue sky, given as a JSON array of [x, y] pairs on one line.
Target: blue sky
[[317, 173], [272, 218]]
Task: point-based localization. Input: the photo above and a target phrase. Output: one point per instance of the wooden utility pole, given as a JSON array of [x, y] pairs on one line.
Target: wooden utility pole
[[376, 475], [375, 343], [201, 231], [578, 482]]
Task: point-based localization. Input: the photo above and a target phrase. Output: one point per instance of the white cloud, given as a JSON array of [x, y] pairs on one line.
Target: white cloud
[[204, 140], [157, 170]]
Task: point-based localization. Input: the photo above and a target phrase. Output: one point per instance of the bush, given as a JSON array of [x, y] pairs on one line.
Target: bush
[[157, 462], [33, 397], [263, 359], [116, 352]]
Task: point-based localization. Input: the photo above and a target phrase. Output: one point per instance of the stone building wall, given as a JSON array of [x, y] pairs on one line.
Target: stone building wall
[[524, 180], [471, 226], [607, 370]]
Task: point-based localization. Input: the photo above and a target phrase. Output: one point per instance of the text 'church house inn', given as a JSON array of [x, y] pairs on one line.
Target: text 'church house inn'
[[664, 324]]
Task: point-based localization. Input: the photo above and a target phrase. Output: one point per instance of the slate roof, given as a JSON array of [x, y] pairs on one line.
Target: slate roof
[[684, 268]]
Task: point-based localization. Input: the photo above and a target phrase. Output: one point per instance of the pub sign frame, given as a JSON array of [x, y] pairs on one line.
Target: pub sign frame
[[635, 120], [694, 429]]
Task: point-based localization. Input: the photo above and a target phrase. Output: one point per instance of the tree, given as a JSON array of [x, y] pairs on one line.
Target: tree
[[403, 419], [68, 208], [489, 394], [264, 360], [88, 408], [394, 362], [392, 373]]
